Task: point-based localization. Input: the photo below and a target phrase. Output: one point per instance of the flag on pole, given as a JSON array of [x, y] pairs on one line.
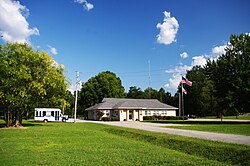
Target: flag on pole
[[184, 90], [186, 81]]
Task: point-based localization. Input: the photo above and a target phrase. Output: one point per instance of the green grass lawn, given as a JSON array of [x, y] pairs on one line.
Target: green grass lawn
[[96, 144], [241, 129], [228, 117]]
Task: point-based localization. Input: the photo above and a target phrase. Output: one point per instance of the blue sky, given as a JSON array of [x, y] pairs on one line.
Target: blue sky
[[122, 36]]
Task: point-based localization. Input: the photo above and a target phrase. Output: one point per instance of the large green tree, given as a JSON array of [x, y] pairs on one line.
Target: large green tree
[[222, 86], [29, 79], [193, 103], [105, 84], [231, 75]]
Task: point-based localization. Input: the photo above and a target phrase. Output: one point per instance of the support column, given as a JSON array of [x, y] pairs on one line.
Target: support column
[[133, 116], [127, 115]]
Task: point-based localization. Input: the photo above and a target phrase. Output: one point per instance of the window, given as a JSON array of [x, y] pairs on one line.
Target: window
[[116, 113], [52, 113], [36, 113], [44, 113], [39, 113]]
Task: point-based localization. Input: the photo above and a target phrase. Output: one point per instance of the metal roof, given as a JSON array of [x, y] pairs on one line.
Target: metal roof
[[121, 103]]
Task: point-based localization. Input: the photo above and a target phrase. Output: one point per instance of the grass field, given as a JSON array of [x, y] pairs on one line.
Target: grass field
[[229, 117], [96, 144], [241, 129]]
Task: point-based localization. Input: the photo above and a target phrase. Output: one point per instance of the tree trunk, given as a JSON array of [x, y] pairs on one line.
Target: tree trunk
[[18, 119]]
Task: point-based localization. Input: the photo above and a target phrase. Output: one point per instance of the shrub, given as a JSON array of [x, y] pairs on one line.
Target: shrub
[[164, 117], [148, 118], [114, 119], [106, 118], [110, 118]]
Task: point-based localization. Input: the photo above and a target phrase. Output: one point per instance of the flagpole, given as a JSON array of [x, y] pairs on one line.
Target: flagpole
[[182, 100], [179, 103]]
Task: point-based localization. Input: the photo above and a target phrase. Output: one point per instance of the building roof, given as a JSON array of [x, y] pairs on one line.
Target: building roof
[[121, 103]]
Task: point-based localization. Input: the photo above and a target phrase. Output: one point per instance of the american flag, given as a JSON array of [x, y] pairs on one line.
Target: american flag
[[184, 90], [186, 81]]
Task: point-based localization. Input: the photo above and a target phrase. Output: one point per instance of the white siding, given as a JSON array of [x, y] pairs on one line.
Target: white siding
[[159, 112], [171, 113], [122, 115]]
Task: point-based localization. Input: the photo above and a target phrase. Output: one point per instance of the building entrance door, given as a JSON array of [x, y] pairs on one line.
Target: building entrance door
[[130, 115]]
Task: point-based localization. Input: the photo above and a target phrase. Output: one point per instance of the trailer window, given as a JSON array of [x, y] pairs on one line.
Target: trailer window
[[52, 113], [44, 113], [36, 113]]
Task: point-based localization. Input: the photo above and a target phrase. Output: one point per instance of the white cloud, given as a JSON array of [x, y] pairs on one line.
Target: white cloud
[[184, 55], [13, 24], [199, 61], [219, 50], [52, 50], [88, 6], [168, 29], [174, 81]]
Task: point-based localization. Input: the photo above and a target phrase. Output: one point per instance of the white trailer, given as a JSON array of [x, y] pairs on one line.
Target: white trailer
[[48, 114]]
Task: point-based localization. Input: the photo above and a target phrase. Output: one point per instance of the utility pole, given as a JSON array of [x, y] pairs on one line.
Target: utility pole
[[77, 82], [149, 77]]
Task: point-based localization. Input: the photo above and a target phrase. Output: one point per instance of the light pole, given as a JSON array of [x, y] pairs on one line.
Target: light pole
[[77, 82]]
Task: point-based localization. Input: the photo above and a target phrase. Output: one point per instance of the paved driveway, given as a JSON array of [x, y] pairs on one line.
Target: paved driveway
[[157, 127]]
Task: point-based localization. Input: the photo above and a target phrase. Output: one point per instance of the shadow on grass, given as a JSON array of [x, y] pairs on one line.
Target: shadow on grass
[[26, 123]]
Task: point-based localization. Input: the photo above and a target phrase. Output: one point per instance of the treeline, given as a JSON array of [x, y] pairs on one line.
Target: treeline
[[222, 86], [150, 93]]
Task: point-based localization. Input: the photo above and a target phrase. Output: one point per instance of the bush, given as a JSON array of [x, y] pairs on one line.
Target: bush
[[110, 118], [148, 118], [114, 119], [164, 118]]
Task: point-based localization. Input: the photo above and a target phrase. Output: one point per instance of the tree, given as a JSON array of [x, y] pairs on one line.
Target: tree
[[208, 99], [29, 79], [193, 98], [150, 93], [135, 93], [231, 76], [105, 84], [162, 96], [69, 109], [222, 86]]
